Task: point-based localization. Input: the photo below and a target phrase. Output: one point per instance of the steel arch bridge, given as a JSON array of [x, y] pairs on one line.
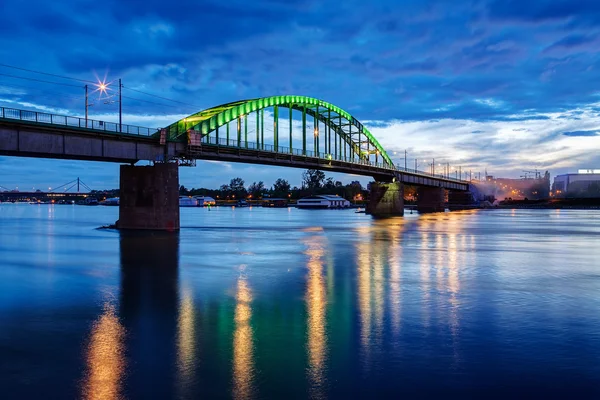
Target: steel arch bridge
[[327, 130], [244, 131], [262, 131]]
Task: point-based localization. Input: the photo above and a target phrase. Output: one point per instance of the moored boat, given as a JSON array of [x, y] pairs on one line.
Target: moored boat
[[323, 201]]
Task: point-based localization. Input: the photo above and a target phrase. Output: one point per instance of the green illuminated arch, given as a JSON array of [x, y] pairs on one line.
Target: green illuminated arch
[[210, 119]]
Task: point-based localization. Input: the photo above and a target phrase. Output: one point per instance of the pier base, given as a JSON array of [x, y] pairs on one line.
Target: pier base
[[386, 200], [461, 200], [149, 197], [430, 200]]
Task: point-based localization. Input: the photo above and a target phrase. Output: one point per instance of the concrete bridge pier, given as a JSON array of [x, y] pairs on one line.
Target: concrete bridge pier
[[430, 200], [458, 200], [149, 197], [386, 200]]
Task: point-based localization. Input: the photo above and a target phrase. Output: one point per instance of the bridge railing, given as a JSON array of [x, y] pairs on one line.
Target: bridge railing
[[63, 120], [241, 144]]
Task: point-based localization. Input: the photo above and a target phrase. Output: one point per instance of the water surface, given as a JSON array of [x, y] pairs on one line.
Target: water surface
[[287, 303]]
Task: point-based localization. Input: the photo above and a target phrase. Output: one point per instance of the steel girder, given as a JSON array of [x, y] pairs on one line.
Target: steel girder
[[211, 119]]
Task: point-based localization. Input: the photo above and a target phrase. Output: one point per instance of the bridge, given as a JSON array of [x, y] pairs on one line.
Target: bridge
[[290, 131]]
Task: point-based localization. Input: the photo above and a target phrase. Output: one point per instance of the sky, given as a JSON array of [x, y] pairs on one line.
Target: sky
[[497, 85]]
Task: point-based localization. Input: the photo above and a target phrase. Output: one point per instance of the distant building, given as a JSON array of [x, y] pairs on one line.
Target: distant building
[[586, 182], [516, 189]]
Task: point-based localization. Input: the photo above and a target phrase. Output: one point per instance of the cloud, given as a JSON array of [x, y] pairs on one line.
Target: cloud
[[581, 133], [478, 70]]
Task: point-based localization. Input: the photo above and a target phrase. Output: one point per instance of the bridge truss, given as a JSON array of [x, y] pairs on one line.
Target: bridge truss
[[267, 124]]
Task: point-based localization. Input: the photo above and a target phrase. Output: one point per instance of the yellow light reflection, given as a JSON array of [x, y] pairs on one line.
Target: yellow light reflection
[[105, 358], [395, 257], [453, 288], [186, 347], [243, 347], [424, 272], [378, 286], [363, 251], [440, 250], [316, 301]]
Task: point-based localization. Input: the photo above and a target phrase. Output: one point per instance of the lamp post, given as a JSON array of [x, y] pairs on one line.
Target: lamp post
[[120, 106], [103, 87], [86, 105]]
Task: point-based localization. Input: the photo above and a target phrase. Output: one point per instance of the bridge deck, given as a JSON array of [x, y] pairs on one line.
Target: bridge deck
[[32, 134]]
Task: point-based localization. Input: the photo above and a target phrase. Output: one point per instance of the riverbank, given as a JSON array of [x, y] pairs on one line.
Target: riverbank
[[573, 204]]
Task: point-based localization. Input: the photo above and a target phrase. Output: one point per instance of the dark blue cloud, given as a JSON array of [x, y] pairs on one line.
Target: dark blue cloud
[[542, 10], [397, 61], [482, 60], [582, 133]]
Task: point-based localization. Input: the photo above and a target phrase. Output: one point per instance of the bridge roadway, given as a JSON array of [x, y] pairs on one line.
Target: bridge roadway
[[41, 135]]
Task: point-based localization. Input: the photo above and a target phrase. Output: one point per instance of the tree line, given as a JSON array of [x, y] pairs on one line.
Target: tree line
[[313, 182]]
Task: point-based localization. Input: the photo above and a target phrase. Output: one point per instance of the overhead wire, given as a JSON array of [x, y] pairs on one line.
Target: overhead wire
[[11, 85], [195, 107], [40, 80], [87, 81], [160, 97], [46, 73]]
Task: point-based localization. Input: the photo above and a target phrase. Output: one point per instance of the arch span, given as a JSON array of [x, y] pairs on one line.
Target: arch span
[[359, 141]]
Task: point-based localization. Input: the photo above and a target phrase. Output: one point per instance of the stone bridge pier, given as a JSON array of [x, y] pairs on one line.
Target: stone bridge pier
[[386, 200], [430, 200], [149, 197]]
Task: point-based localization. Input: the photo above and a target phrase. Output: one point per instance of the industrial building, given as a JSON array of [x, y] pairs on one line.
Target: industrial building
[[585, 183]]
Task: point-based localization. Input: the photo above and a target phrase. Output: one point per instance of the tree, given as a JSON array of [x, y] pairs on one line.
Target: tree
[[329, 184], [313, 179], [257, 189], [353, 189], [237, 188], [183, 191], [281, 188]]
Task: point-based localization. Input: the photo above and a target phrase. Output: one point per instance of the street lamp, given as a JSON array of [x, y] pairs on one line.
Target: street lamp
[[405, 158], [102, 87]]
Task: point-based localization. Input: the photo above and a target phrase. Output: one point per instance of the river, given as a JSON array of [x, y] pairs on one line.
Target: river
[[287, 303]]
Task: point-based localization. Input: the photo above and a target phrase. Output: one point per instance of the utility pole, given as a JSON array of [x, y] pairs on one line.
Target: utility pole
[[120, 106], [86, 105]]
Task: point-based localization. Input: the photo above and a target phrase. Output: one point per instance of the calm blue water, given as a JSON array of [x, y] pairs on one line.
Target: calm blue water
[[286, 303]]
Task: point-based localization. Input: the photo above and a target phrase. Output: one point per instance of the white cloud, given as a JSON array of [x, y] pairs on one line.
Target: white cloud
[[506, 147]]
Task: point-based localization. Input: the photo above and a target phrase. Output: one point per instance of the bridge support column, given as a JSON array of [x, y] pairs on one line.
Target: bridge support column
[[430, 200], [458, 200], [149, 197], [386, 200]]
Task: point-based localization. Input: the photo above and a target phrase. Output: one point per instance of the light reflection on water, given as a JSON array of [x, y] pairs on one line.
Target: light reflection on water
[[325, 305], [105, 358], [316, 303], [187, 356], [243, 347]]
